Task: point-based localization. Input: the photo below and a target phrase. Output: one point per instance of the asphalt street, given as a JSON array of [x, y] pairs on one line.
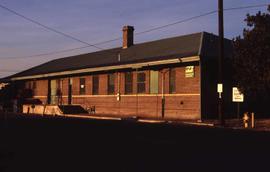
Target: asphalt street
[[60, 144]]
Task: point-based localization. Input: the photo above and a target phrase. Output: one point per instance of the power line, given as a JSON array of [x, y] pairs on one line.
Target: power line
[[46, 54], [245, 7], [201, 15], [112, 40], [47, 27], [198, 16], [177, 22], [60, 51], [142, 32]]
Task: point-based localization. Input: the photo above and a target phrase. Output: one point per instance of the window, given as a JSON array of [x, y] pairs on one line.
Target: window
[[34, 85], [128, 83], [95, 84], [153, 82], [82, 86], [111, 78], [140, 82], [172, 75], [29, 85], [58, 87]]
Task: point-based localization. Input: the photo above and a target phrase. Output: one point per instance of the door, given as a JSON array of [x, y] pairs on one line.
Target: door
[[53, 92], [153, 82]]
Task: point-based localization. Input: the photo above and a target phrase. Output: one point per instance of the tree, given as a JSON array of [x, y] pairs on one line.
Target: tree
[[252, 56], [14, 91]]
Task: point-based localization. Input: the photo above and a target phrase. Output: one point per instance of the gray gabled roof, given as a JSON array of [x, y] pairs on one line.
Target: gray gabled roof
[[176, 47]]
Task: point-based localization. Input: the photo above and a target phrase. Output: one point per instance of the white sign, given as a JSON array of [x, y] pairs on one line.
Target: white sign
[[189, 72], [237, 96], [220, 88]]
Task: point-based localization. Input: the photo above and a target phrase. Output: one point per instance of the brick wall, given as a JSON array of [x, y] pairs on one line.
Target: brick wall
[[184, 104]]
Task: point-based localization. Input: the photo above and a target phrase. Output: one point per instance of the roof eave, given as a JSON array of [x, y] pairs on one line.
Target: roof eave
[[105, 68]]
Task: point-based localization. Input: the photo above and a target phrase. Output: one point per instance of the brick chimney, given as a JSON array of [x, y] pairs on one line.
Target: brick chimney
[[127, 36]]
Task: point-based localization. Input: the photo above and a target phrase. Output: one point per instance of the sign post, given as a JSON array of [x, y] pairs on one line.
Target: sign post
[[238, 97], [219, 89]]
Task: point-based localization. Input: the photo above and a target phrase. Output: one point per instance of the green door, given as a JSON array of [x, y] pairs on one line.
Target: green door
[[153, 82], [53, 92]]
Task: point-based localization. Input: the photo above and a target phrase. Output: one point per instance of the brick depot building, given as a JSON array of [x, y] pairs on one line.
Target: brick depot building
[[174, 78]]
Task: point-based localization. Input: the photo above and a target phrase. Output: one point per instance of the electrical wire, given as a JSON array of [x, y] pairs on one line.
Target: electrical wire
[[47, 27], [245, 7], [111, 40], [177, 22], [143, 32]]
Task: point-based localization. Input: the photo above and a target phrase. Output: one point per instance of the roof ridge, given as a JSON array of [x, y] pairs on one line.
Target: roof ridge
[[135, 44]]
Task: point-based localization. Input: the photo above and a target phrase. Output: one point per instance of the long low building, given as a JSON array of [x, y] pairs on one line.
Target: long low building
[[173, 78]]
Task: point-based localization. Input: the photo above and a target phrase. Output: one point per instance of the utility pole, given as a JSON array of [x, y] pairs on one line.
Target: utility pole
[[220, 60]]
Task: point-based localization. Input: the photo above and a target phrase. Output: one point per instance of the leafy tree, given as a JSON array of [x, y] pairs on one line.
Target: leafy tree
[[252, 56], [14, 91]]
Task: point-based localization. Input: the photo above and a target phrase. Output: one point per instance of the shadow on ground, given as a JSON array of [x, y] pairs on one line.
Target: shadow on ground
[[58, 144]]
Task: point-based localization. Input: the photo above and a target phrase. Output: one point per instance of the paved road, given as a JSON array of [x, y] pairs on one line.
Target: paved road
[[97, 145]]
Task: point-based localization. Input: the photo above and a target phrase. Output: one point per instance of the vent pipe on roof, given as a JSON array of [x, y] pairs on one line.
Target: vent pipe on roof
[[127, 36]]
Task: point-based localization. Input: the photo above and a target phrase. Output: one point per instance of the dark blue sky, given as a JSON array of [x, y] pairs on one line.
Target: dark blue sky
[[100, 20]]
